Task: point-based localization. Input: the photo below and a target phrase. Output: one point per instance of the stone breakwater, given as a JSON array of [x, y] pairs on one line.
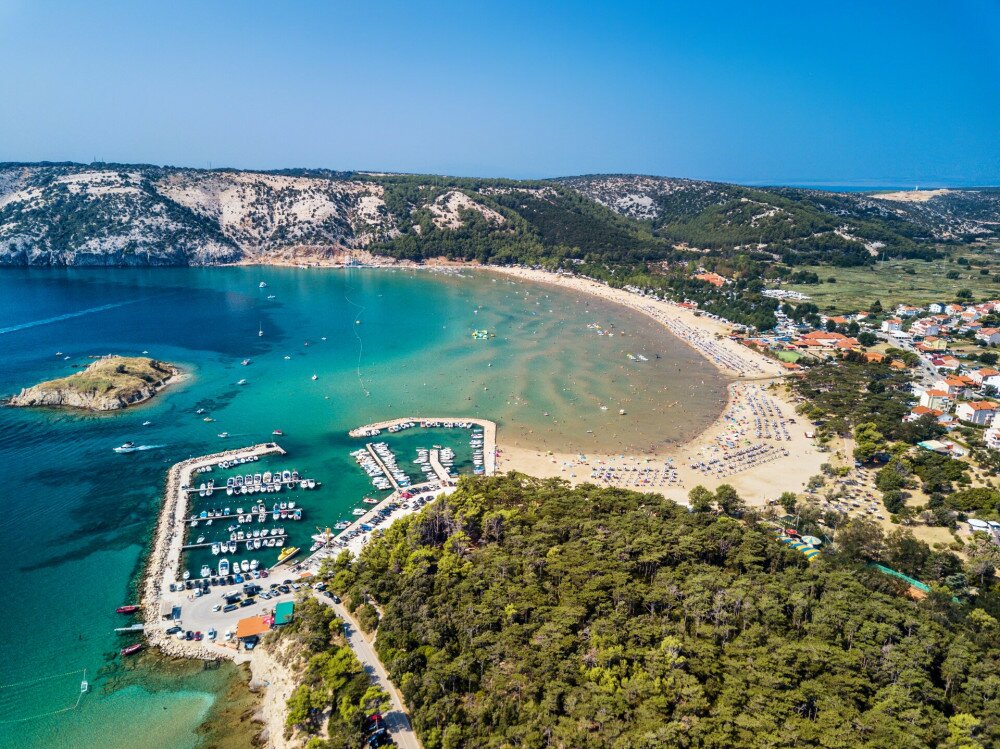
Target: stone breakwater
[[163, 566]]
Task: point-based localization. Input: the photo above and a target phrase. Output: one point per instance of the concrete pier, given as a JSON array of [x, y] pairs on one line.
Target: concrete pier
[[385, 469], [439, 470], [165, 558]]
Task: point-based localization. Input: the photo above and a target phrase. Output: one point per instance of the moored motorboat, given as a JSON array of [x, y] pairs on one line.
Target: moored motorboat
[[223, 567]]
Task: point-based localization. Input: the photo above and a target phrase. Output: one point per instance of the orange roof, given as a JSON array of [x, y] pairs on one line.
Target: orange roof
[[987, 372], [713, 278], [937, 393], [956, 381], [874, 356], [923, 410], [981, 405], [252, 625]]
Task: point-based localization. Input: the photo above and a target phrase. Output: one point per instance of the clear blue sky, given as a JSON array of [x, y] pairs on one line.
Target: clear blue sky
[[797, 92]]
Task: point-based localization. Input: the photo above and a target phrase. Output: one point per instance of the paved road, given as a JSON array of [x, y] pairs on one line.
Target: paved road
[[929, 373], [396, 720]]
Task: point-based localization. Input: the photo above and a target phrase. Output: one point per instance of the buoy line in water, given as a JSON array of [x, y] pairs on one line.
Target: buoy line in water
[[361, 346], [31, 682]]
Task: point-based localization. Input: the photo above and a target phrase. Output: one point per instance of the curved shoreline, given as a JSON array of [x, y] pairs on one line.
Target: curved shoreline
[[749, 370], [756, 382]]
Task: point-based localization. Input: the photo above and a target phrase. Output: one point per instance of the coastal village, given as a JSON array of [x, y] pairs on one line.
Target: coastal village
[[948, 350]]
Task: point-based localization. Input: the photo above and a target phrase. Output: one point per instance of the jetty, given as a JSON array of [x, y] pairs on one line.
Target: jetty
[[440, 471], [449, 422], [165, 556], [385, 469]]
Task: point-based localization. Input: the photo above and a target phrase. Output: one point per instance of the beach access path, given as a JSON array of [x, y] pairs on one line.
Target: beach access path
[[397, 720]]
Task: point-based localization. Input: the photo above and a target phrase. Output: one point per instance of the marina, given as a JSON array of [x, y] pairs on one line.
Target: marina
[[315, 418]]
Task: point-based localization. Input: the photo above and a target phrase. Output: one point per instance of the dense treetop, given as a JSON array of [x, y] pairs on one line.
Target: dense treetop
[[522, 613]]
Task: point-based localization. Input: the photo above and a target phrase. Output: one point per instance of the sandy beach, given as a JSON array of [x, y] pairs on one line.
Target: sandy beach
[[757, 444]]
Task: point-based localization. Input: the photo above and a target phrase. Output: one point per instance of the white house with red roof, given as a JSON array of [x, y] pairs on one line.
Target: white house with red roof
[[977, 412]]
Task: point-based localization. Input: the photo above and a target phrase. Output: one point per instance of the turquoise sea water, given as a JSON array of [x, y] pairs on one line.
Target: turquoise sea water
[[77, 517]]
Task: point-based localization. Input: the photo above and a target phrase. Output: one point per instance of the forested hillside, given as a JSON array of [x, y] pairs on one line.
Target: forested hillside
[[521, 613], [124, 214]]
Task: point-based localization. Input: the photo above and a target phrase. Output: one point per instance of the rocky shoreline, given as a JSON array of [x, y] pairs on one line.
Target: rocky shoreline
[[65, 393]]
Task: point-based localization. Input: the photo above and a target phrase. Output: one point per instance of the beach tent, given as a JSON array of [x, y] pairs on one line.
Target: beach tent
[[283, 612], [808, 551]]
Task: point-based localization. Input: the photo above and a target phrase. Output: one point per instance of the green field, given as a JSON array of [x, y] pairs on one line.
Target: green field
[[903, 281]]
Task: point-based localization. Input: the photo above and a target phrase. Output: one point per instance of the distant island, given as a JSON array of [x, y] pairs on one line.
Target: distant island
[[109, 384]]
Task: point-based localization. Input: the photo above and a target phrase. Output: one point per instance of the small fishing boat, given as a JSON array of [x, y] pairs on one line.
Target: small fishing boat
[[131, 649], [278, 433], [206, 571], [245, 565], [245, 362], [186, 575], [359, 511], [242, 382], [129, 609], [315, 377], [146, 423]]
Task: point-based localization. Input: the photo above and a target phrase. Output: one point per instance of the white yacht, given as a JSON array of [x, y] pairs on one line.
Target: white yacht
[[223, 566]]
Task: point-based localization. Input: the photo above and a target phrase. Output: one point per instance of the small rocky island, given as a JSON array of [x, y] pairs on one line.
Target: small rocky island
[[110, 383]]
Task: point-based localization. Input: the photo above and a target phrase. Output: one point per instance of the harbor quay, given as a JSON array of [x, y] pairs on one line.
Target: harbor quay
[[167, 605], [165, 556]]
